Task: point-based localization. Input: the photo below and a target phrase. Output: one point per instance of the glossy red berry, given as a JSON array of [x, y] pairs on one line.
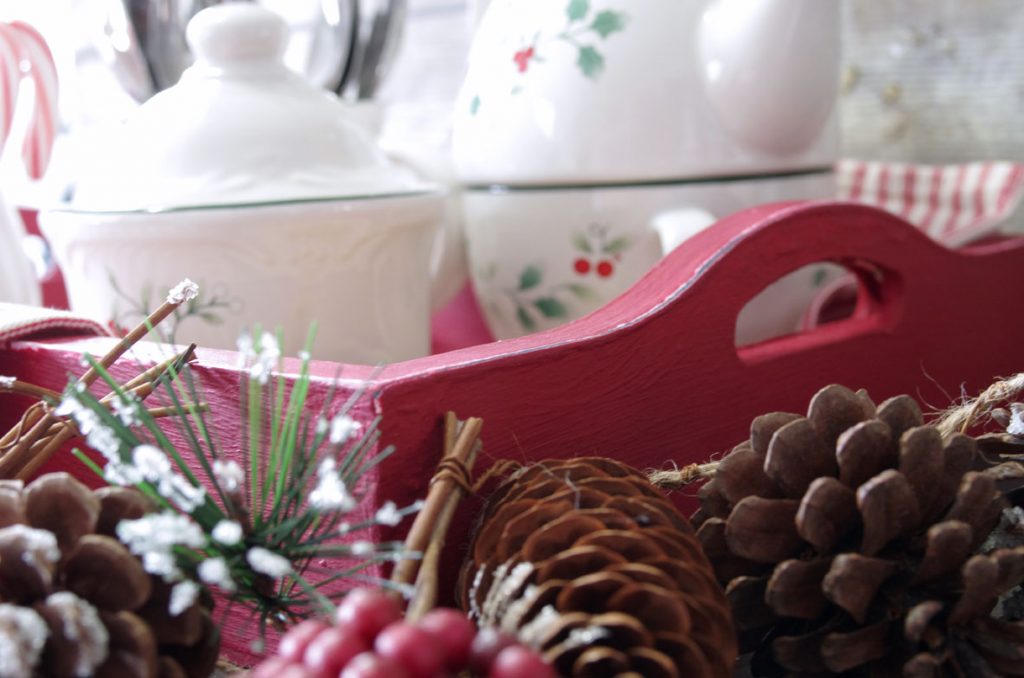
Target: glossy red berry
[[293, 644], [453, 631], [516, 661], [488, 643], [280, 668], [366, 611], [271, 668], [329, 652], [581, 266], [370, 665], [605, 268], [415, 649]]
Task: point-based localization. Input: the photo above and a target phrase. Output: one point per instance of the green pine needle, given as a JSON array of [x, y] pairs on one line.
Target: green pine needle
[[283, 443]]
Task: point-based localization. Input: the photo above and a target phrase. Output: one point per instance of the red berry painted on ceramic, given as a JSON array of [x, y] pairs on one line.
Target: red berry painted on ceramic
[[414, 648], [453, 631], [516, 661], [489, 642], [370, 665], [522, 59], [367, 611], [581, 266], [294, 643], [605, 268], [329, 652]]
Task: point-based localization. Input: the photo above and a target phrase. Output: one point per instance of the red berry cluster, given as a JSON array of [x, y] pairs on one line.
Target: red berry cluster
[[371, 640], [604, 268]]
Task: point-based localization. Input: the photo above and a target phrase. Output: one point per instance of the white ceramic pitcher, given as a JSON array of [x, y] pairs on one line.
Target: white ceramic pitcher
[[594, 135]]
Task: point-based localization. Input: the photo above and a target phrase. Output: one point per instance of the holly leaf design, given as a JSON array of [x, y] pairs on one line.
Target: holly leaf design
[[608, 22], [529, 278], [819, 276], [581, 243], [590, 61], [616, 246], [581, 291], [525, 319], [551, 307], [577, 9]]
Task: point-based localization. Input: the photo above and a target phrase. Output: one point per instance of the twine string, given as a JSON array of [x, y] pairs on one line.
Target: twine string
[[961, 418], [455, 471], [677, 479], [501, 468]]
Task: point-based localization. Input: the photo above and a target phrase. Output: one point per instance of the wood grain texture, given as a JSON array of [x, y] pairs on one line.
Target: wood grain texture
[[654, 378]]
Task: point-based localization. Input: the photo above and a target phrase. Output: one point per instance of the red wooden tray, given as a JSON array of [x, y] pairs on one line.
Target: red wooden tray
[[654, 377]]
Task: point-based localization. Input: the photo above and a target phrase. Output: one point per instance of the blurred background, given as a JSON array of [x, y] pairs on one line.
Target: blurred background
[[923, 80]]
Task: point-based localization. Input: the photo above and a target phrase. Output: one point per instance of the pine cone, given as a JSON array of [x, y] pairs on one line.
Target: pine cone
[[74, 601], [848, 541], [587, 561]]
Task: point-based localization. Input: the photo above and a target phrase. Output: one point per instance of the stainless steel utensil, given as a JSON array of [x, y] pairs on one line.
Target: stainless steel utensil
[[323, 38], [379, 34], [112, 32]]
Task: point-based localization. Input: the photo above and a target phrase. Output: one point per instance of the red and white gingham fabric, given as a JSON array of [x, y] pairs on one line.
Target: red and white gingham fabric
[[22, 322], [954, 204]]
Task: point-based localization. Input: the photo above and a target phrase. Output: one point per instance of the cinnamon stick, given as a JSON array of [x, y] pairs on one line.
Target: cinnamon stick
[[433, 519], [426, 579]]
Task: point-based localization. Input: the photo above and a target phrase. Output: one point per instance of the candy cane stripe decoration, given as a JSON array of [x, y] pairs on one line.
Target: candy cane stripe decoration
[[10, 79], [24, 53]]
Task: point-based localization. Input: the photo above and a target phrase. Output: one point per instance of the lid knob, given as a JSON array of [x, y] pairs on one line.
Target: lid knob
[[236, 31]]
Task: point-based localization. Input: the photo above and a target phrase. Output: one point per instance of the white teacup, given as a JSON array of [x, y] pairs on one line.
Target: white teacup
[[542, 257]]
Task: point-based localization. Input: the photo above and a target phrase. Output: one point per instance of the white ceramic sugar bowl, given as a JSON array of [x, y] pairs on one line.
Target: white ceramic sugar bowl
[[250, 181]]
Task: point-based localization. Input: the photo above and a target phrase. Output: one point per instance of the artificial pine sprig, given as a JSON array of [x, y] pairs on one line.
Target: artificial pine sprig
[[267, 524]]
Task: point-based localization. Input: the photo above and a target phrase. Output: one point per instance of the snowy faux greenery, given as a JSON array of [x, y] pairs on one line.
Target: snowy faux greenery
[[270, 524]]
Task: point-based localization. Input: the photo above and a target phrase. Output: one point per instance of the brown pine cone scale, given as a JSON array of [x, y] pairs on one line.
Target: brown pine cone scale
[[848, 542], [74, 601], [588, 562]]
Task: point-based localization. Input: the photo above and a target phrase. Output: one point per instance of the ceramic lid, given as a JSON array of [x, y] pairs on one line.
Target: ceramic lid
[[239, 128]]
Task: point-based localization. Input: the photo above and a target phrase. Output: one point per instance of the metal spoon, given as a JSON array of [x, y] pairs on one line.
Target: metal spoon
[[380, 31]]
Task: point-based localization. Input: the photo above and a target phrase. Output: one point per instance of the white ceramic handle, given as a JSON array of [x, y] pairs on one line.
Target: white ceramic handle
[[18, 283], [771, 70], [677, 225]]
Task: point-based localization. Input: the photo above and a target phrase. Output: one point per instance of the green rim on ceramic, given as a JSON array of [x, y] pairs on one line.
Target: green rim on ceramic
[[425, 192], [646, 183]]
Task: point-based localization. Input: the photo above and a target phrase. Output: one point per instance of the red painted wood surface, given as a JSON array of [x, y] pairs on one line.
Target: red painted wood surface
[[654, 378]]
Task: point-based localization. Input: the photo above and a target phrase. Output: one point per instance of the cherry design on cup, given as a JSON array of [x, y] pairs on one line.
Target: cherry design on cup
[[538, 298], [600, 252]]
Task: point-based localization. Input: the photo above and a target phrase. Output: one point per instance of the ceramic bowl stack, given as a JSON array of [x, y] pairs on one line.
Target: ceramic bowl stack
[[592, 136], [249, 181]]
